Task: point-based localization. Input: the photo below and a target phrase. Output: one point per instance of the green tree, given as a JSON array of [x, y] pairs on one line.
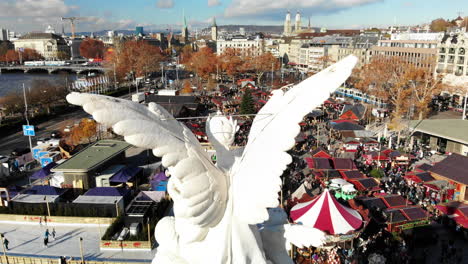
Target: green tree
[[247, 104]]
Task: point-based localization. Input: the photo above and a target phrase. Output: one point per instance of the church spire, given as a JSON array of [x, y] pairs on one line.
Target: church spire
[[214, 22]]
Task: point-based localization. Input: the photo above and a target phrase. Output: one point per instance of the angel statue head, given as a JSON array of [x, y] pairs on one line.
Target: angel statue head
[[221, 129]]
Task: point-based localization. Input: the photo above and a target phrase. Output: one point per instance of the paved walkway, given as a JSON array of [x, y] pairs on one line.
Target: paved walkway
[[28, 240]]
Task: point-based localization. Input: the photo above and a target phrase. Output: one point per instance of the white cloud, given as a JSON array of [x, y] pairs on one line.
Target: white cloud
[[33, 8], [165, 3], [269, 8], [214, 2]]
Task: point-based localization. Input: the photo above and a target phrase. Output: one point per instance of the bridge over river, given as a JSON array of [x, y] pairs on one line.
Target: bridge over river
[[52, 69]]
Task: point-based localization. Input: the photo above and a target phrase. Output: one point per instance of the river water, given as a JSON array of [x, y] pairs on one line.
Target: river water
[[13, 82]]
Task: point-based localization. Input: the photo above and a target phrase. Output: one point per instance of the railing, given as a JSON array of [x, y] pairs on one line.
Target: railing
[[54, 260]]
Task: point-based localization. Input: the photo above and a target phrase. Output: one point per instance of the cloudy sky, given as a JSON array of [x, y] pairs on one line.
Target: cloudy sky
[[35, 15]]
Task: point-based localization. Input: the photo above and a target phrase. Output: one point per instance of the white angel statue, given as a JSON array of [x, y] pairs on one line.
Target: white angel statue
[[223, 213]]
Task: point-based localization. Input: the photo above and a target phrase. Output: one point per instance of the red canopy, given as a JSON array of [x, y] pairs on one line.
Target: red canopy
[[327, 214]]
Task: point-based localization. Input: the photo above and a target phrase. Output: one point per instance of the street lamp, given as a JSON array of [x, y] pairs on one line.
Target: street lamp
[[81, 250]]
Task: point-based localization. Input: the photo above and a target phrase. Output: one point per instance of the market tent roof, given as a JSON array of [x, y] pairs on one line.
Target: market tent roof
[[394, 201], [344, 164], [373, 202], [150, 196], [327, 214], [320, 153], [160, 186], [352, 174], [318, 163], [365, 184], [161, 176], [375, 155], [419, 177], [424, 167], [107, 191], [351, 140], [346, 126], [12, 191], [125, 174], [44, 190], [43, 172], [454, 167]]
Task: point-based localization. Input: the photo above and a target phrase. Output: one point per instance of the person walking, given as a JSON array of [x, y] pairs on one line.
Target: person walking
[[46, 237], [5, 242], [53, 233]]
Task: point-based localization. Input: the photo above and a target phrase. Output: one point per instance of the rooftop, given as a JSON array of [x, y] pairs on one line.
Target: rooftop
[[454, 167], [93, 156], [452, 129]]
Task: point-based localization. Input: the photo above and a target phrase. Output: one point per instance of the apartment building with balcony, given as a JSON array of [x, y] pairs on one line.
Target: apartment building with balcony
[[451, 54]]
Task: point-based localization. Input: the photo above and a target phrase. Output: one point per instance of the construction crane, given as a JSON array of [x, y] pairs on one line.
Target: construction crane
[[72, 21]]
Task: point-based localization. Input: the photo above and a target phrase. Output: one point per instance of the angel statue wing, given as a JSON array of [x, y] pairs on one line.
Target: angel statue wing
[[272, 134], [198, 188]]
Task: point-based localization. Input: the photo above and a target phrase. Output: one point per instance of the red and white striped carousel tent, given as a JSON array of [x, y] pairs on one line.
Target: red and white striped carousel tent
[[327, 214]]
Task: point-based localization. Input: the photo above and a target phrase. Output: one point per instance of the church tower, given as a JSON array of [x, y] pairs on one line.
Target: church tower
[[287, 25], [185, 33], [297, 26], [214, 30]]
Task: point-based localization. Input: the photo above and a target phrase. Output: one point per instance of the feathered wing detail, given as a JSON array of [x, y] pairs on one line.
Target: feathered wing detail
[[198, 188], [304, 236], [256, 175]]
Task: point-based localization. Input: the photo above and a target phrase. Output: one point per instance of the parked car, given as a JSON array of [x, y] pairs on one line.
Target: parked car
[[55, 134], [41, 141], [20, 151], [67, 129]]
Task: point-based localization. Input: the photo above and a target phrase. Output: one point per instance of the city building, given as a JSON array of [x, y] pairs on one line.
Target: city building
[[360, 47], [139, 31], [80, 171], [253, 45], [442, 135], [297, 23], [320, 52], [420, 49], [214, 30], [50, 29], [3, 34], [47, 44], [185, 33], [451, 53], [242, 31], [451, 175], [287, 25], [74, 45]]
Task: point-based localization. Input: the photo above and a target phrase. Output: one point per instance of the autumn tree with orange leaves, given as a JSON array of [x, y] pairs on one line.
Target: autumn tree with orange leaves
[[262, 63], [231, 62], [187, 88], [385, 78], [400, 83], [86, 130], [203, 63], [138, 57], [27, 55], [92, 49], [423, 86]]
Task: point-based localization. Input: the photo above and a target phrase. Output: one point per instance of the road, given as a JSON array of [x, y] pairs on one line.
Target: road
[[17, 140], [28, 240]]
